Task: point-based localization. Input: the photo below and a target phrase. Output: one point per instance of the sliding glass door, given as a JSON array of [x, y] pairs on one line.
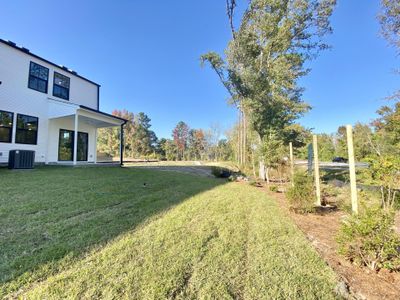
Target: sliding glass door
[[83, 139], [66, 146]]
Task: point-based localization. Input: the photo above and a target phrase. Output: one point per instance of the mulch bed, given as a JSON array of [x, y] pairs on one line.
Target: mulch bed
[[320, 229]]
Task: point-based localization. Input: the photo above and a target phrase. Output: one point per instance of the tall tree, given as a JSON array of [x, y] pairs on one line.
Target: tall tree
[[160, 148], [180, 135], [266, 58], [389, 18], [143, 140], [196, 144], [230, 10], [108, 138]]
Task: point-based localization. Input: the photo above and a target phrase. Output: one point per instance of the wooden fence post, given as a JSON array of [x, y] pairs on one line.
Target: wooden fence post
[[310, 156], [352, 169], [316, 170], [291, 162]]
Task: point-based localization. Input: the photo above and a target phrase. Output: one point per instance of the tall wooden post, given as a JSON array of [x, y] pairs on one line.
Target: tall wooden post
[[240, 137], [316, 170], [352, 169], [244, 137], [291, 162]]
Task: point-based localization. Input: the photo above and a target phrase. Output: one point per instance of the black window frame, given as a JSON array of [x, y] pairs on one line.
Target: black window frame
[[23, 129], [72, 132], [11, 127], [37, 78], [60, 86]]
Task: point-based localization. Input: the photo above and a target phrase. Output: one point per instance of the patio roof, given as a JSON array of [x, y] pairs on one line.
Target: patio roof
[[99, 119]]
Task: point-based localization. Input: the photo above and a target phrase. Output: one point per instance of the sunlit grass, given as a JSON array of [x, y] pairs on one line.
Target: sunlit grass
[[217, 240]]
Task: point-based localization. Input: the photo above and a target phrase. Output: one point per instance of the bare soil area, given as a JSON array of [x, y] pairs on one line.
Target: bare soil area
[[321, 229]]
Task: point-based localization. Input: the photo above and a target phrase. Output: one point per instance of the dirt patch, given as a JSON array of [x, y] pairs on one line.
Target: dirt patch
[[321, 230]]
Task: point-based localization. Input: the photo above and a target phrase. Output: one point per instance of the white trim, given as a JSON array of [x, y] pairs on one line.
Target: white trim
[[95, 146], [76, 137]]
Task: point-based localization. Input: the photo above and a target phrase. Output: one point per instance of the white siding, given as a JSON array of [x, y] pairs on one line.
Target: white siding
[[16, 97]]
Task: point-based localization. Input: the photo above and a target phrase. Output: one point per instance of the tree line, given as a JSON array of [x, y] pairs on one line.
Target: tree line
[[186, 143]]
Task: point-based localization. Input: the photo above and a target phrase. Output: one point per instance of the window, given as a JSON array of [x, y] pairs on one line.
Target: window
[[38, 77], [6, 126], [27, 129], [61, 86]]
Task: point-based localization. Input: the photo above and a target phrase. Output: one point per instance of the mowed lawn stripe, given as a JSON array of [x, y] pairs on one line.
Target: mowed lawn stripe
[[228, 242], [50, 217]]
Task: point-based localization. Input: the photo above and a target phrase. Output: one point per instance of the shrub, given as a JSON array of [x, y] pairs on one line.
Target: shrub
[[273, 188], [220, 172], [384, 170], [253, 182], [369, 240], [301, 195]]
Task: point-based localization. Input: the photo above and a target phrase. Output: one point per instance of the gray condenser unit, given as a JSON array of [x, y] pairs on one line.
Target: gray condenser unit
[[21, 159]]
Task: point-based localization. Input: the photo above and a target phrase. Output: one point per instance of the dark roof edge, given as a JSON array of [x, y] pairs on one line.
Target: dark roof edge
[[26, 51], [103, 113]]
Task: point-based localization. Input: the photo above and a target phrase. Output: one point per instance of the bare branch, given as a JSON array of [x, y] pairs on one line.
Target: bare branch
[[230, 10]]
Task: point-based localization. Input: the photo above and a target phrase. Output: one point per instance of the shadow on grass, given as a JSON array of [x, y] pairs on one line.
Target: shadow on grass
[[50, 216]]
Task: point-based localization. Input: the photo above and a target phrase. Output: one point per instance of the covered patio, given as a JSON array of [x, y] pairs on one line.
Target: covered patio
[[73, 131]]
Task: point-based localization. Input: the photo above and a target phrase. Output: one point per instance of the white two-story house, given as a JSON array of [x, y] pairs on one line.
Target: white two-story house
[[48, 108]]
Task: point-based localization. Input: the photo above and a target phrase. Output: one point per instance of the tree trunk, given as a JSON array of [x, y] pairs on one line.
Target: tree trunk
[[261, 172], [244, 137], [253, 164], [239, 139]]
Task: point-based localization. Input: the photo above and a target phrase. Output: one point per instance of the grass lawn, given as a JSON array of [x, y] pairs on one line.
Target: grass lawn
[[98, 233]]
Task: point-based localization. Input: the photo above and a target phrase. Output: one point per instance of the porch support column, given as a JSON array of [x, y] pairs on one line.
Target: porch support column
[[95, 146], [121, 148], [76, 138]]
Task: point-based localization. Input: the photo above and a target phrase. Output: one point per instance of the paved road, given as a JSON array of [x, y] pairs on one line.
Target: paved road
[[332, 165]]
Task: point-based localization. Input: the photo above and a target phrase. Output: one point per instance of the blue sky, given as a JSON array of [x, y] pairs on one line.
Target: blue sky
[[145, 54]]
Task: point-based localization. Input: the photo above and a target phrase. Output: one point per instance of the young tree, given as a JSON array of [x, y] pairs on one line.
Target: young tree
[[380, 147], [180, 135]]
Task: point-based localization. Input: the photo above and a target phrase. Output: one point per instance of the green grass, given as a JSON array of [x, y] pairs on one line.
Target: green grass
[[97, 233]]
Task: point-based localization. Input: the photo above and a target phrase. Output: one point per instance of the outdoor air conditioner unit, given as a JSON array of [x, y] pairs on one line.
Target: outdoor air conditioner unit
[[21, 159]]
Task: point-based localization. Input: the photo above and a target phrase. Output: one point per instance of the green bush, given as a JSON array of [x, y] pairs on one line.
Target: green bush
[[273, 188], [253, 182], [301, 195], [369, 240], [220, 172]]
